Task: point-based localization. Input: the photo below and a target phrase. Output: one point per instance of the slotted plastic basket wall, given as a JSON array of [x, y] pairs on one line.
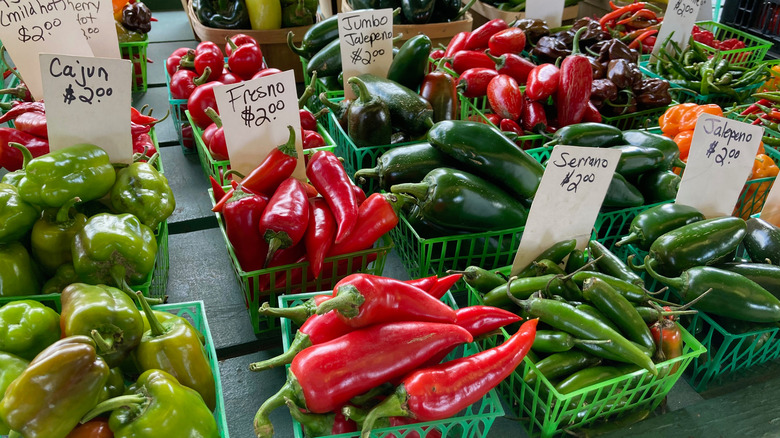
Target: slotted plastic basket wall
[[684, 95], [755, 48], [135, 51]]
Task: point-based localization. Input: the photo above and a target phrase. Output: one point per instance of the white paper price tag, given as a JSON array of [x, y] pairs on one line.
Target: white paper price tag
[[720, 160], [96, 19], [705, 11], [550, 11], [255, 115], [568, 200], [678, 21], [31, 27], [366, 44], [88, 101], [771, 210]]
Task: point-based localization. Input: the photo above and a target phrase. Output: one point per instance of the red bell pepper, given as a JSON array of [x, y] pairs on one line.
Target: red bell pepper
[[542, 82], [275, 168], [200, 99], [481, 320], [283, 223], [245, 60], [480, 37], [239, 40], [363, 299], [441, 391], [217, 144], [184, 82], [466, 59], [319, 233], [573, 94], [513, 65], [375, 217], [209, 55], [328, 176], [11, 158], [505, 97], [511, 40], [241, 214], [474, 81]]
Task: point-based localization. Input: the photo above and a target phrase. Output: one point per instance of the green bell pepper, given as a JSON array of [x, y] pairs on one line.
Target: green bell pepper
[[115, 385], [107, 315], [165, 317], [11, 367], [111, 247], [64, 277], [222, 14], [16, 216], [157, 405], [61, 385], [143, 191], [82, 170], [297, 14], [27, 327], [18, 274], [52, 236]]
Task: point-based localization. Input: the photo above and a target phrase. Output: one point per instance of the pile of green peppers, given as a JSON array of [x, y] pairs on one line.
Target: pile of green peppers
[[69, 216]]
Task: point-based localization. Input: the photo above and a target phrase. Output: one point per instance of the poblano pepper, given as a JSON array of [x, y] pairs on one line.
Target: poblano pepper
[[16, 216], [61, 384], [11, 367], [82, 170], [107, 315], [18, 275], [27, 327], [52, 236], [118, 243], [222, 14], [158, 405], [144, 192]]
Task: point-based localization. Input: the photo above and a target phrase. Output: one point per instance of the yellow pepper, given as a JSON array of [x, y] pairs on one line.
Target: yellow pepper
[[265, 14]]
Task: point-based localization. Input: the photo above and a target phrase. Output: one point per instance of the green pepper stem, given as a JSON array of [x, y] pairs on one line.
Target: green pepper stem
[[592, 341], [155, 326], [333, 106], [417, 190], [633, 237], [26, 154], [297, 50], [362, 399], [393, 406], [575, 49], [464, 9], [103, 345], [308, 91], [299, 343], [274, 244], [313, 424], [363, 174], [152, 160], [354, 413], [202, 79], [363, 96], [232, 172], [289, 147], [214, 116], [113, 404], [262, 424], [231, 43], [63, 214], [677, 282], [297, 314], [347, 302]]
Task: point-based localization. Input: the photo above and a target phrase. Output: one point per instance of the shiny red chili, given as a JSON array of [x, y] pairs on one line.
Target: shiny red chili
[[375, 217], [211, 57], [217, 144], [542, 82], [319, 233], [228, 77], [514, 65], [360, 195], [184, 82], [474, 81], [12, 158], [312, 139], [534, 116], [592, 114], [172, 62], [481, 320], [668, 338], [466, 59], [266, 72], [284, 220], [508, 125], [216, 188], [200, 99], [443, 285], [456, 44], [505, 97], [440, 89], [327, 175], [511, 40], [245, 60], [241, 214], [239, 40], [33, 123], [573, 95], [425, 283], [308, 120], [480, 37]]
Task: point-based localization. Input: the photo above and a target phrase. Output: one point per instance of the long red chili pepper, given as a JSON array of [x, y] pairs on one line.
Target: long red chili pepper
[[515, 66], [443, 285], [275, 168], [216, 188], [283, 223], [319, 233], [592, 114], [20, 108], [505, 97], [481, 320], [32, 122], [466, 59], [364, 299], [241, 214], [143, 144], [754, 108], [474, 81], [480, 37], [643, 15], [456, 44], [12, 158], [573, 95], [611, 16], [142, 119], [542, 82], [635, 43], [425, 283], [328, 176], [377, 215], [511, 40], [441, 391]]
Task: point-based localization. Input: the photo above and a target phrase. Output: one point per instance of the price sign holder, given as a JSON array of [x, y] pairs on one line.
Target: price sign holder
[[550, 11], [30, 27], [568, 200], [678, 22], [366, 44], [771, 210], [255, 115], [96, 19], [88, 101], [720, 160]]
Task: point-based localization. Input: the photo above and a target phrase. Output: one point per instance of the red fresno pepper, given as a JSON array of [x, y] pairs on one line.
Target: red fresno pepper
[[173, 61], [505, 97], [481, 320], [209, 55], [312, 139], [228, 77], [275, 168], [208, 134], [375, 217], [184, 82], [239, 40], [511, 40], [32, 122], [200, 99], [266, 72], [284, 220], [441, 391], [456, 44], [474, 81], [319, 233], [217, 144], [241, 214], [324, 377], [466, 59], [328, 176], [480, 37], [668, 338], [573, 95], [513, 65], [542, 82], [245, 60], [12, 158], [362, 299]]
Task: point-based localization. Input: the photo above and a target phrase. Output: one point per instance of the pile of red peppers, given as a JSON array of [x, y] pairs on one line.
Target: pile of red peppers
[[370, 354]]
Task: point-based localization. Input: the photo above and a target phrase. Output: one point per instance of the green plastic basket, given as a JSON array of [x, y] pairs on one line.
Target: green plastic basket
[[545, 412], [684, 95], [611, 227], [753, 53], [636, 120], [267, 284], [475, 421], [217, 168], [180, 122], [135, 51], [319, 87]]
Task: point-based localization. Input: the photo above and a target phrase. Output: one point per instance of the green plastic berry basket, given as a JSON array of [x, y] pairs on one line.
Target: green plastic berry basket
[[545, 412], [217, 168], [135, 51], [750, 56], [473, 422], [180, 121], [640, 119], [267, 284]]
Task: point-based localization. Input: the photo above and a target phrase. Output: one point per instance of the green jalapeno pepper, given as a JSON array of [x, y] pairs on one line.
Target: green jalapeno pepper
[[610, 264], [767, 276], [619, 310], [560, 364], [405, 164], [552, 341], [635, 160], [658, 185], [408, 66], [762, 241], [622, 194], [657, 221], [667, 146], [597, 135]]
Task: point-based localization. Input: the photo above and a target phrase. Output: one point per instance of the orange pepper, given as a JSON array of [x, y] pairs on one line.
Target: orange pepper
[[670, 120], [764, 167], [688, 120], [683, 140], [118, 6], [773, 84], [755, 193], [761, 149]]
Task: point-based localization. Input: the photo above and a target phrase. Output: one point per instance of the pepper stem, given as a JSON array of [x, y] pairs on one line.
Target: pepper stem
[[276, 241], [113, 404], [262, 424], [299, 343], [393, 406], [676, 282], [156, 327], [347, 302], [297, 50], [118, 275], [464, 9], [313, 424], [231, 43], [361, 90], [103, 345], [368, 396], [333, 106], [289, 147], [308, 91], [418, 190], [363, 174], [214, 116], [575, 49], [202, 79], [679, 163], [63, 214], [26, 154], [633, 237], [297, 314]]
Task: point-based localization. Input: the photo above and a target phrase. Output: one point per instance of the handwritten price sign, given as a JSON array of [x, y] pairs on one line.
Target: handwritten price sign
[[93, 89], [575, 182], [678, 22], [255, 115], [366, 43], [96, 20], [720, 161]]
